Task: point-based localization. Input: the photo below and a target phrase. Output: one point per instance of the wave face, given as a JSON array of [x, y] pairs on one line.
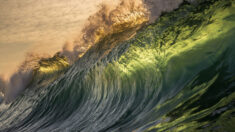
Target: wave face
[[177, 74]]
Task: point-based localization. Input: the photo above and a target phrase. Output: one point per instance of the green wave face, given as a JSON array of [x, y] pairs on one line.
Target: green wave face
[[175, 75], [184, 62]]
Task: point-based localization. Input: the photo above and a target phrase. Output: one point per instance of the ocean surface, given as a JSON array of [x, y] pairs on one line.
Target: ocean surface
[[177, 74]]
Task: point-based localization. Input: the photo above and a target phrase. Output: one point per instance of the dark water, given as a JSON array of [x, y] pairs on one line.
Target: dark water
[[175, 75]]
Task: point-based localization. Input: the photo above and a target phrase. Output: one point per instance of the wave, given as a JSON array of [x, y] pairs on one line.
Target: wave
[[174, 74], [109, 20]]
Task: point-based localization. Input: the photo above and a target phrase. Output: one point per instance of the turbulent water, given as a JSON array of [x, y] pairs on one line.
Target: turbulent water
[[176, 74]]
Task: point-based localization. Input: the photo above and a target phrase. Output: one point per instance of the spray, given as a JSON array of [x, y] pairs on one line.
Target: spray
[[109, 19]]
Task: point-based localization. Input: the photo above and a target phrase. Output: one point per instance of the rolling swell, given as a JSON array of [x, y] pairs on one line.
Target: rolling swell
[[176, 74]]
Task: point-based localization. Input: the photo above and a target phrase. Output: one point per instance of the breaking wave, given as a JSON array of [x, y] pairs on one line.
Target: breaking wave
[[126, 72]]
